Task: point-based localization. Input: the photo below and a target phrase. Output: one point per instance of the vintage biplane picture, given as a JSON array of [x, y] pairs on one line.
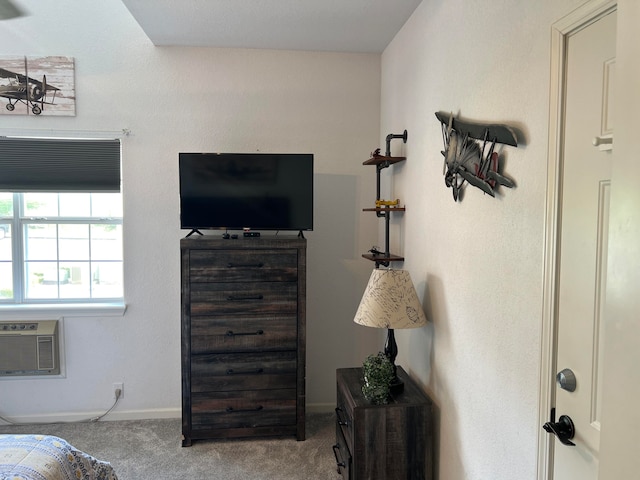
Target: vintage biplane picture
[[470, 155], [37, 86]]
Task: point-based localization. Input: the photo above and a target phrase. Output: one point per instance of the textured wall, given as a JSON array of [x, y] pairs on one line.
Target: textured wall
[[477, 263], [200, 99]]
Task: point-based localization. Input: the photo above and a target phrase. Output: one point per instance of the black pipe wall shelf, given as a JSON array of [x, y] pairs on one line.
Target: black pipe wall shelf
[[381, 162]]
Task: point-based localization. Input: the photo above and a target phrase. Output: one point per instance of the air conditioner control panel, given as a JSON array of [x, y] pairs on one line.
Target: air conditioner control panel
[[17, 327]]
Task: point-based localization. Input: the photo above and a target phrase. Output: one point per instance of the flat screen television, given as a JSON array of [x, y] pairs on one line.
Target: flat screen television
[[236, 191]]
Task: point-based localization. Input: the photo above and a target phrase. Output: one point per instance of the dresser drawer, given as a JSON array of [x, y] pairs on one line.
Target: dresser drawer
[[244, 298], [244, 409], [344, 414], [342, 454], [243, 333], [243, 371], [207, 266]]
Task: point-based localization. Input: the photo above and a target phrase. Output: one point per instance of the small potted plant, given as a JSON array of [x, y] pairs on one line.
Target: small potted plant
[[378, 373]]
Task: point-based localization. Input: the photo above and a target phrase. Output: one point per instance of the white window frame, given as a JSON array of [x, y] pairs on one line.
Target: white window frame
[[69, 306]]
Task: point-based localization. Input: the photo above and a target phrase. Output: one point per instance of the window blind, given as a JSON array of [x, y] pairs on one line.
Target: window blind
[[59, 165]]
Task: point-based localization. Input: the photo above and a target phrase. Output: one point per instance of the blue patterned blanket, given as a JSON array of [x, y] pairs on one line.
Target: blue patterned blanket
[[44, 457]]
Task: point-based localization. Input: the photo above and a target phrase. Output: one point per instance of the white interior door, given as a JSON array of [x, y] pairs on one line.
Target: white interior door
[[583, 232]]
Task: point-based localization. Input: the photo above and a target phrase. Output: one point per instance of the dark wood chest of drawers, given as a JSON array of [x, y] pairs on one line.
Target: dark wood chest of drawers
[[383, 442], [243, 337]]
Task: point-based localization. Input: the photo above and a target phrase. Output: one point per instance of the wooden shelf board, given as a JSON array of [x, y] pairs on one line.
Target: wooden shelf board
[[382, 159], [384, 209], [382, 257]]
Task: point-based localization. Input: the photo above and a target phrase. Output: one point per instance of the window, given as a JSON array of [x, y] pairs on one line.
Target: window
[[60, 233]]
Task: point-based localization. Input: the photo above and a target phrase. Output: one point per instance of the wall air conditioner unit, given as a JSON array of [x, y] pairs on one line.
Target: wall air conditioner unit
[[29, 348]]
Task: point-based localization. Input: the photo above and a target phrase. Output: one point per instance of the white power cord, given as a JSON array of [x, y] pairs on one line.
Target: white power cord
[[118, 394]]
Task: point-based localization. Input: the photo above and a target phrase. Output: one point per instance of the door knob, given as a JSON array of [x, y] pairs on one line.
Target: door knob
[[563, 428]]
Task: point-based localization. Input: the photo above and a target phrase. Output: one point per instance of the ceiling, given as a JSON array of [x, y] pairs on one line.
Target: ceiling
[[359, 26]]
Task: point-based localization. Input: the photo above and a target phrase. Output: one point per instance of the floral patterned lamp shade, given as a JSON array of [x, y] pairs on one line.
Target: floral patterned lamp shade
[[390, 301]]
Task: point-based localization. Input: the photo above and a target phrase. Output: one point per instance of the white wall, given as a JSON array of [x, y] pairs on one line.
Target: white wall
[[199, 99], [477, 263]]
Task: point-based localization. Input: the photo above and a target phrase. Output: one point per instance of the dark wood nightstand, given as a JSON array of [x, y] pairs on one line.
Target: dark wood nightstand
[[383, 442]]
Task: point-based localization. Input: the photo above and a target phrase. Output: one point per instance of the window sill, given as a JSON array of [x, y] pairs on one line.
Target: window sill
[[42, 310]]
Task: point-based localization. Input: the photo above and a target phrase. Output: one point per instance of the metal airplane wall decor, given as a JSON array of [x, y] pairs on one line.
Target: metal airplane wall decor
[[470, 156]]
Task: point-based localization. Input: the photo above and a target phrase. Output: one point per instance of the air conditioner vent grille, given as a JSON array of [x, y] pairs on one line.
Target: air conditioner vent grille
[[45, 353]]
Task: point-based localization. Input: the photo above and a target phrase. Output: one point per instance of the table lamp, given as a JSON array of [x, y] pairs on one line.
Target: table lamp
[[390, 301]]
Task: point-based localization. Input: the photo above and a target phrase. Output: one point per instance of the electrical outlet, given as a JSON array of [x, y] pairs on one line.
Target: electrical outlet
[[118, 386]]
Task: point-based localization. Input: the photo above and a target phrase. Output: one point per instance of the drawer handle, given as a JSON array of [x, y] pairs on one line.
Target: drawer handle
[[335, 454], [257, 371], [231, 333], [240, 298], [340, 421], [233, 410], [245, 265]]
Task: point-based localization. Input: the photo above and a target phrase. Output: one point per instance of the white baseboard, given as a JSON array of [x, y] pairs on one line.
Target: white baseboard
[[154, 413], [73, 417], [147, 414]]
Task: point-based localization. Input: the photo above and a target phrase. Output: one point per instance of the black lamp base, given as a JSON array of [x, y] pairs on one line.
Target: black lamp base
[[397, 386], [391, 351]]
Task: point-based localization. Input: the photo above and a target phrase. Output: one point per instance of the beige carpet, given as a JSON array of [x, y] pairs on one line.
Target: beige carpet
[[151, 449]]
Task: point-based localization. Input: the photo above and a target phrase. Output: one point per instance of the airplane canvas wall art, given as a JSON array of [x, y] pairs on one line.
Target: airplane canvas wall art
[[40, 86]]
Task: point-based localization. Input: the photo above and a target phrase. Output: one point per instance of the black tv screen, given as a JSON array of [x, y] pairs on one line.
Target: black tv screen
[[257, 191]]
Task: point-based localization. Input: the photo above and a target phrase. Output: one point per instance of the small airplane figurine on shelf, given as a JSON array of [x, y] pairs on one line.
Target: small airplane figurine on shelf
[[465, 160], [387, 203], [24, 89]]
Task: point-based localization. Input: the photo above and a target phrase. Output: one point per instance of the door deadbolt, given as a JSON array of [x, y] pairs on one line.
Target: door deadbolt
[[567, 380]]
